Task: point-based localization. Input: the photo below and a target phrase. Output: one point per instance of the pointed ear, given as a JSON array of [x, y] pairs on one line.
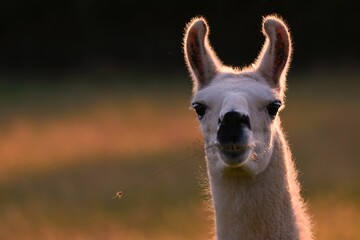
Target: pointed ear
[[274, 59], [201, 60]]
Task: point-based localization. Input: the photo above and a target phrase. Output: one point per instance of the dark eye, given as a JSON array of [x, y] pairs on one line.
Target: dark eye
[[200, 109], [273, 108]]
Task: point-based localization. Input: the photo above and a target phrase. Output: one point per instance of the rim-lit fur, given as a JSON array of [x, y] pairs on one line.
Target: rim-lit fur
[[258, 196]]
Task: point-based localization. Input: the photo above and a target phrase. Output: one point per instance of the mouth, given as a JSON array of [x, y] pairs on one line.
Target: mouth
[[234, 154]]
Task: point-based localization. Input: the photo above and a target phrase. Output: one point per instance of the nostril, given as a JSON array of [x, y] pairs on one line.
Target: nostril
[[246, 120]]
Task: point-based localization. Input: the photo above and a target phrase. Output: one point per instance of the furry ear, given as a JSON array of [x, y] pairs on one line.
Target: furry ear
[[201, 60], [274, 59]]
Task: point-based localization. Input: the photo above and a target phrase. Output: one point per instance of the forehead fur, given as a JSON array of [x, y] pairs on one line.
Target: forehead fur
[[247, 84]]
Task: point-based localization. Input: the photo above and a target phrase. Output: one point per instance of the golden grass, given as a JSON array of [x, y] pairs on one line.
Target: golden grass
[[59, 172], [107, 130], [175, 225], [336, 218]]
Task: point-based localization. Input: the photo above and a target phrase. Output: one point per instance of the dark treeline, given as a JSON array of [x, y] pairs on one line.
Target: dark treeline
[[93, 34]]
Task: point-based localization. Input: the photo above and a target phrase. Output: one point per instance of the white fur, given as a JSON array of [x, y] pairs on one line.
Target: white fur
[[259, 198]]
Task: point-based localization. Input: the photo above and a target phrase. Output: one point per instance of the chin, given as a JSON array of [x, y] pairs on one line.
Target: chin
[[235, 158]]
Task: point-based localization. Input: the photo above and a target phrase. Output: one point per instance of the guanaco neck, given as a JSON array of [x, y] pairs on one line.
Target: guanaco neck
[[257, 207]]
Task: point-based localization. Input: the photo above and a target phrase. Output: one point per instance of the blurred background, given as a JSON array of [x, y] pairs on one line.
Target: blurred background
[[94, 97]]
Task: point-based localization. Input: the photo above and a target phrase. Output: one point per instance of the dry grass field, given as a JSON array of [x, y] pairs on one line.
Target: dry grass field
[[66, 148]]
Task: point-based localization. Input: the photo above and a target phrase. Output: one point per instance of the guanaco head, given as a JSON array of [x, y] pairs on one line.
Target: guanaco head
[[238, 109]]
